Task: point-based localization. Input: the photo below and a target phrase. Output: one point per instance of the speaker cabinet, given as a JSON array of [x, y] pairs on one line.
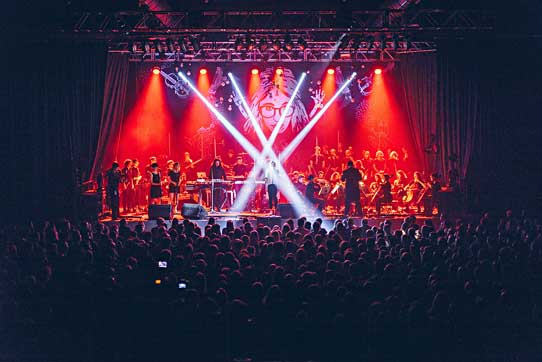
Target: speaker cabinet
[[193, 211], [286, 211], [163, 211]]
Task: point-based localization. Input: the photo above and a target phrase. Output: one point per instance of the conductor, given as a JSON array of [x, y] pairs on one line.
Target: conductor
[[351, 176]]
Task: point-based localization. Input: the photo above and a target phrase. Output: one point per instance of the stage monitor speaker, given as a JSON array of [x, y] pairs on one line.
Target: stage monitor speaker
[[156, 211], [286, 211], [193, 211], [90, 205], [268, 220]]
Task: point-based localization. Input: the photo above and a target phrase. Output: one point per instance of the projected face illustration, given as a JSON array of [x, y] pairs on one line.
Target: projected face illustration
[[269, 103]]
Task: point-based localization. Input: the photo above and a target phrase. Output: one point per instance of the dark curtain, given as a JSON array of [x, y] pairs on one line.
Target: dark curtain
[[113, 110], [51, 124], [446, 97], [418, 77]]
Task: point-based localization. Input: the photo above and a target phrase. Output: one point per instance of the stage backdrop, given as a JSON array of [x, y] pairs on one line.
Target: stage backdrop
[[156, 120]]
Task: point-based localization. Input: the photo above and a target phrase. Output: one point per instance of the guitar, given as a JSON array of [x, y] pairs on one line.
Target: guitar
[[192, 164]]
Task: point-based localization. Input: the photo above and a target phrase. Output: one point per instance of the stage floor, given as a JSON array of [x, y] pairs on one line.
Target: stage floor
[[256, 218]]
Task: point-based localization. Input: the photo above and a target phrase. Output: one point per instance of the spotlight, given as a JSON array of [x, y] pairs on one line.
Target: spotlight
[[262, 45], [182, 45], [170, 46], [238, 44], [195, 44], [155, 70], [378, 71], [203, 71], [279, 71], [254, 71], [133, 47], [288, 43], [302, 43], [249, 43], [330, 71], [276, 45], [147, 47]]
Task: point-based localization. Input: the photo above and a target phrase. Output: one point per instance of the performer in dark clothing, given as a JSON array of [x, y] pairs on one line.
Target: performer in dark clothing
[[434, 200], [113, 177], [174, 177], [240, 169], [311, 188], [217, 172], [156, 186], [351, 176], [271, 175], [385, 193]]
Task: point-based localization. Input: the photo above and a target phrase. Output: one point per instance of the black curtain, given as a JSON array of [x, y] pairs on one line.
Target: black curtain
[[447, 97], [53, 103], [418, 79], [113, 110]]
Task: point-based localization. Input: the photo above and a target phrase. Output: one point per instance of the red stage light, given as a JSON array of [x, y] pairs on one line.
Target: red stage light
[[378, 71], [203, 71], [279, 71], [330, 71], [255, 71], [156, 70]]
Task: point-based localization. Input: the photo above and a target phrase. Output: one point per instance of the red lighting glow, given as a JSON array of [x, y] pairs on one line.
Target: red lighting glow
[[378, 71], [203, 71], [330, 71], [255, 71], [155, 70]]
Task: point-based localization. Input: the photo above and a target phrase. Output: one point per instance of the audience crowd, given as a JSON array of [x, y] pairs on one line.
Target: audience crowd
[[413, 290]]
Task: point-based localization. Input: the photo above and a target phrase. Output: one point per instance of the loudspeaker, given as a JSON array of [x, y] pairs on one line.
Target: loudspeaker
[[193, 211], [156, 211], [286, 211], [90, 205], [269, 221]]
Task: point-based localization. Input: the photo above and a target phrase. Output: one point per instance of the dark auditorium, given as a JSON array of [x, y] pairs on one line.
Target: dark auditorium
[[271, 181]]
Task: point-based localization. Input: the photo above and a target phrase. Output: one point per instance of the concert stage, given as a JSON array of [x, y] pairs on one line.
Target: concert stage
[[265, 219]]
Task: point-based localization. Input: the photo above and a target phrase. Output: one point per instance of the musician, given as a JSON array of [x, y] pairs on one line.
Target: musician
[[435, 187], [113, 177], [333, 161], [127, 187], [337, 190], [384, 194], [379, 163], [310, 190], [393, 161], [351, 176], [367, 162], [174, 178], [240, 170], [414, 190], [230, 160], [135, 175], [347, 158], [271, 175], [299, 184], [217, 173], [148, 167], [155, 191], [188, 167], [318, 160]]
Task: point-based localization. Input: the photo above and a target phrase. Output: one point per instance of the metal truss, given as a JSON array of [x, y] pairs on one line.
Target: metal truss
[[148, 23], [211, 52]]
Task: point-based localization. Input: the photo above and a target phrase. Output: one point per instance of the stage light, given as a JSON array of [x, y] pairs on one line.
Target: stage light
[[378, 71], [238, 46], [254, 71], [288, 43], [330, 71], [302, 43], [203, 71], [262, 45], [155, 70], [250, 43], [277, 45], [279, 71], [195, 43], [147, 47], [182, 45]]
